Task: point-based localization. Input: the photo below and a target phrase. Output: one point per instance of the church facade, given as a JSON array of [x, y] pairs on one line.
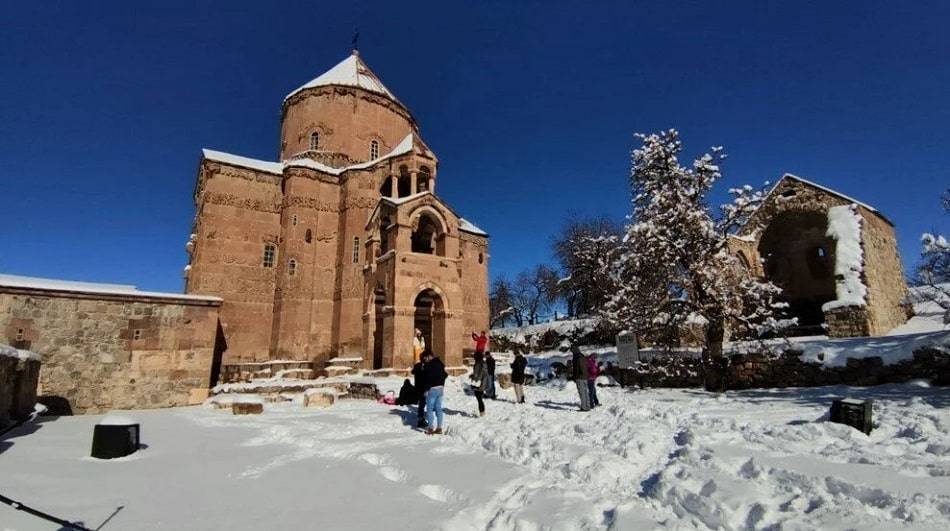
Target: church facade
[[341, 249]]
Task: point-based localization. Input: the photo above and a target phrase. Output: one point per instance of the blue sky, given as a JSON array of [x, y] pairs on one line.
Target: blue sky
[[531, 108]]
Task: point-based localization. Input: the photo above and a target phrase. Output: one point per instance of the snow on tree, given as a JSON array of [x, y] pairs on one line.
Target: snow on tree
[[582, 249], [673, 264], [499, 303], [934, 268]]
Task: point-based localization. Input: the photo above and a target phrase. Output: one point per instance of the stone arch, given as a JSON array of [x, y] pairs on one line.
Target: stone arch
[[429, 231], [799, 257], [429, 317]]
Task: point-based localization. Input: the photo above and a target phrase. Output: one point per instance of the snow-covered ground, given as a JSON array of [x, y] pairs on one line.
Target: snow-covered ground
[[679, 459]]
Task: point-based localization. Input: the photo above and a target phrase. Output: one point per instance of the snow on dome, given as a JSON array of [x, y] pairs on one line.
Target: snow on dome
[[113, 419], [351, 72]]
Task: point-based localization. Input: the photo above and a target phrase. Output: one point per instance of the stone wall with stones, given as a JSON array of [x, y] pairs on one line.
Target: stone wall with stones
[[103, 352], [749, 371]]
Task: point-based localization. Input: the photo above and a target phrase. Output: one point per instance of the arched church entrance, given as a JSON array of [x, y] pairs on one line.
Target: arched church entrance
[[800, 258], [430, 320]]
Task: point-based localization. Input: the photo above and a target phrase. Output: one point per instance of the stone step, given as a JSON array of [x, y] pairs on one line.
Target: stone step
[[345, 362]]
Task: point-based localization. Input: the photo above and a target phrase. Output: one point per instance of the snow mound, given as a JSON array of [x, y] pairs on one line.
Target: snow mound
[[115, 419]]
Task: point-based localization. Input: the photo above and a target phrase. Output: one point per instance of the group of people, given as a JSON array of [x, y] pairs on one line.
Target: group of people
[[584, 372], [429, 375]]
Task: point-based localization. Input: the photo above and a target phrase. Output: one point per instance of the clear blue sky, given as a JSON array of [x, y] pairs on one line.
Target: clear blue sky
[[104, 107]]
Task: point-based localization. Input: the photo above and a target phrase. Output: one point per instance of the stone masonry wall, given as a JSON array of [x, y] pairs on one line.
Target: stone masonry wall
[[102, 353]]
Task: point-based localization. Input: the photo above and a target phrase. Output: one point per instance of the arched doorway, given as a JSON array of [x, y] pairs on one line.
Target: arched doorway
[[799, 257], [430, 320]]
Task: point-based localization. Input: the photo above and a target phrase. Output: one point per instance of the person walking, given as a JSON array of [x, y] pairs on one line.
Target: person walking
[[481, 342], [579, 375], [418, 346], [593, 371], [490, 367], [418, 374], [479, 379], [434, 375], [517, 375]]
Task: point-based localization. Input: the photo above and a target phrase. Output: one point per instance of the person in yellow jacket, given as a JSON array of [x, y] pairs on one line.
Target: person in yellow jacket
[[418, 345]]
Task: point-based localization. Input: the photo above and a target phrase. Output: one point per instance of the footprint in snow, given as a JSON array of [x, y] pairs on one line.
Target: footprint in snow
[[440, 494], [375, 459], [396, 475]]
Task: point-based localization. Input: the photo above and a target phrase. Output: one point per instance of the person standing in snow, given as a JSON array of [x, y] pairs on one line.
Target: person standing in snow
[[517, 376], [593, 371], [490, 367], [481, 342], [418, 374], [418, 346], [579, 374], [434, 375], [479, 379]]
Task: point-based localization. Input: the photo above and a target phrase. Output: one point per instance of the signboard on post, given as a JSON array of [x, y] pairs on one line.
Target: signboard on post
[[627, 351]]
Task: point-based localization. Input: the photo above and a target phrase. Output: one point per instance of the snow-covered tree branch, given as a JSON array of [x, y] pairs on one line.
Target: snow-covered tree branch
[[673, 264]]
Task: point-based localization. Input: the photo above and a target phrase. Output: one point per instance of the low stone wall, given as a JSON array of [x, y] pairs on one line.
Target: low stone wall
[[105, 351], [750, 371], [18, 378]]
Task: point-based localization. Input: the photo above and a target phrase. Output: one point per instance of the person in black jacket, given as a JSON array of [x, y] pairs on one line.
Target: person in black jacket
[[407, 394], [433, 376], [490, 366], [579, 374], [417, 373], [517, 376]]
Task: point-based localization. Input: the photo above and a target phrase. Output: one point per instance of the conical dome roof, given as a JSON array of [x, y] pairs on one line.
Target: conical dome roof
[[351, 72]]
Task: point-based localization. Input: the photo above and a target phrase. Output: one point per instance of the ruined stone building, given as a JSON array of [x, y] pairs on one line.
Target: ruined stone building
[[835, 258], [341, 249]]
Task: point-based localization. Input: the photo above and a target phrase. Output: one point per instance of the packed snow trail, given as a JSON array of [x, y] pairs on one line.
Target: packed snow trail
[[671, 459]]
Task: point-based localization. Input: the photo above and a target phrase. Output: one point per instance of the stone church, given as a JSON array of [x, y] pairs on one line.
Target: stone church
[[341, 249], [835, 283]]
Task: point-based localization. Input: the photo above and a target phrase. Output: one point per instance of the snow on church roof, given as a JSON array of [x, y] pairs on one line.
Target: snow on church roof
[[468, 226], [351, 72], [404, 146], [830, 191]]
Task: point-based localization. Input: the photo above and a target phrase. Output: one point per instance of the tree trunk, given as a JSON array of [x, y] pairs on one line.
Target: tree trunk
[[714, 373]]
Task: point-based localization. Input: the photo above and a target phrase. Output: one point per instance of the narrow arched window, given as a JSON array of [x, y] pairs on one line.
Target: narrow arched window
[[308, 236], [314, 140], [373, 150], [422, 181], [356, 250], [291, 267]]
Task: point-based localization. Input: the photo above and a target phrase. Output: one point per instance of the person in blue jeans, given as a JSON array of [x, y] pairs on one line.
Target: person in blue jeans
[[434, 376]]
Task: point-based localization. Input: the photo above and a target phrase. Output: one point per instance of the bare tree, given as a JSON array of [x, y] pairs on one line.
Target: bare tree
[[582, 249], [500, 303], [534, 292]]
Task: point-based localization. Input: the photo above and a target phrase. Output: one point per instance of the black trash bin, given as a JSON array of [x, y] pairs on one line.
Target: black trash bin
[[115, 437]]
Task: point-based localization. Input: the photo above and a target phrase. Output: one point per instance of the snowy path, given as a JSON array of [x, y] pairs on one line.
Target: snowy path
[[680, 459]]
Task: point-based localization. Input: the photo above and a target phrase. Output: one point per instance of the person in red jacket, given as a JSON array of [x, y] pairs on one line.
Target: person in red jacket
[[593, 371], [481, 342]]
